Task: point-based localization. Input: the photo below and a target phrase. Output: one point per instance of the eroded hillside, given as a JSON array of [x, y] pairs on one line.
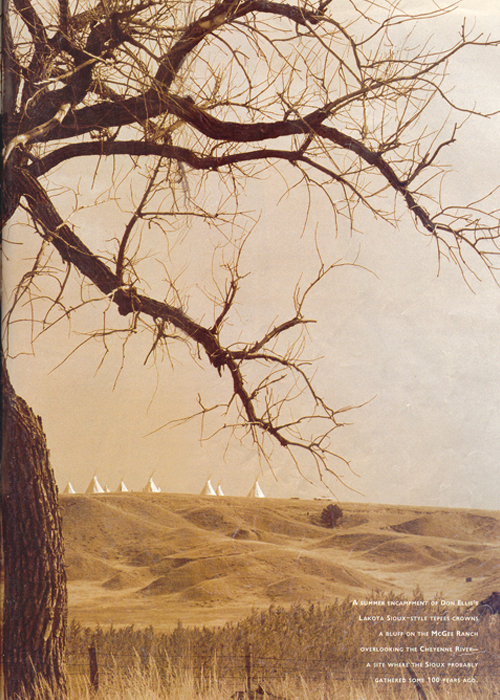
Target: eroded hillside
[[158, 558]]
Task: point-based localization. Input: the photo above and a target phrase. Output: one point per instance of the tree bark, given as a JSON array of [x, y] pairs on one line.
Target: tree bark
[[35, 597]]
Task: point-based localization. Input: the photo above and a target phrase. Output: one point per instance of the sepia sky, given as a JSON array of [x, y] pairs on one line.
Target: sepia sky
[[399, 332]]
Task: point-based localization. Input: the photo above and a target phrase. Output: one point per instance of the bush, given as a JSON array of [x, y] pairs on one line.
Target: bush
[[331, 515]]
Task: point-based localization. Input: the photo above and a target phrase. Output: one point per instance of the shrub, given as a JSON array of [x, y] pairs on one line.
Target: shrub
[[331, 515]]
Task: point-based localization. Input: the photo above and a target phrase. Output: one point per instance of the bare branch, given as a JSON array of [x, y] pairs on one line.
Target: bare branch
[[192, 105]]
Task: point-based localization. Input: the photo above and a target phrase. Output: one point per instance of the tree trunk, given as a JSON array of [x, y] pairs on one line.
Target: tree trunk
[[35, 598]]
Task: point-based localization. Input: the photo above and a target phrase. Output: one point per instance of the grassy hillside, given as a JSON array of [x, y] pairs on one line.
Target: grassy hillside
[[158, 558]]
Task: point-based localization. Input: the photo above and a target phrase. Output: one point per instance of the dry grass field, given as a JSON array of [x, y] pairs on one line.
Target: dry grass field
[[155, 559]]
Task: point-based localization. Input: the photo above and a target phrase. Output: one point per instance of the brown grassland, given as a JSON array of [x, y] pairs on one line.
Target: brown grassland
[[147, 559], [192, 596]]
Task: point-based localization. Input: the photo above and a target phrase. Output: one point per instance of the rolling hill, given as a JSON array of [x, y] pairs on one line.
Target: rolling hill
[[156, 559]]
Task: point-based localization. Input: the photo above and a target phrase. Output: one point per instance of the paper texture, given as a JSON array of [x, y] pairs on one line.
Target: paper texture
[[189, 547]]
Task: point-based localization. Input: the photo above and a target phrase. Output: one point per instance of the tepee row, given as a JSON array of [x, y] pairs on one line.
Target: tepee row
[[208, 490], [95, 487]]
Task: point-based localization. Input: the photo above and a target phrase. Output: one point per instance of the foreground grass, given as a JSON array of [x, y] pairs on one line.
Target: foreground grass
[[138, 684], [329, 647], [297, 653]]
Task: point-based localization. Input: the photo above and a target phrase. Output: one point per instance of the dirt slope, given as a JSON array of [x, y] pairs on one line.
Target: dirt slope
[[156, 558]]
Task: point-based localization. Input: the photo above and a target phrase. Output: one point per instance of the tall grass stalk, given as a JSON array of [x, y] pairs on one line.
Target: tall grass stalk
[[140, 683]]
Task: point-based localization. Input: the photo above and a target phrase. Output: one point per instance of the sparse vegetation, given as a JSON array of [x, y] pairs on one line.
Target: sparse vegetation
[[179, 555]]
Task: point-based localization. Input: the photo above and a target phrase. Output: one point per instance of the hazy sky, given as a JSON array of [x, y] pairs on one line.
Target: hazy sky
[[422, 347]]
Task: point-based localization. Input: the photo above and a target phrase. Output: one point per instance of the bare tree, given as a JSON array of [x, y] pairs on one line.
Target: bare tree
[[202, 96], [175, 107]]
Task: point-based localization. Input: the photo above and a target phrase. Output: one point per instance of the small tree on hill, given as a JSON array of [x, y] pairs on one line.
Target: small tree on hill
[[331, 515]]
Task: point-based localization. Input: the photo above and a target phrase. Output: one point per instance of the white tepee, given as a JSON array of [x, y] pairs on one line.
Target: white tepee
[[220, 492], [69, 488], [151, 487], [208, 489], [122, 488], [94, 487], [256, 491]]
